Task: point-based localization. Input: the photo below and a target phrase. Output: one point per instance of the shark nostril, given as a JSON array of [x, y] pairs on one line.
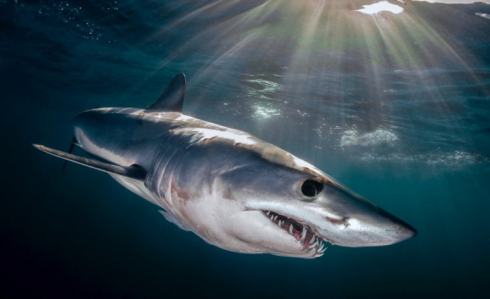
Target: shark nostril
[[344, 221]]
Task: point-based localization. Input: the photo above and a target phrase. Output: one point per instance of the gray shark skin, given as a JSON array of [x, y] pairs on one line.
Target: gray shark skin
[[230, 188]]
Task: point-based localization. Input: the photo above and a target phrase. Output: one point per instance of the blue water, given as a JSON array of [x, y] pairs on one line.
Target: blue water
[[397, 107]]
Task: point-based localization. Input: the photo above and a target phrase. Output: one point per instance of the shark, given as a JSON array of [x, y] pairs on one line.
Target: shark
[[230, 188]]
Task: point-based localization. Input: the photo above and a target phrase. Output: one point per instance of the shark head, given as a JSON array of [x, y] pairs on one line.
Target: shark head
[[291, 208]]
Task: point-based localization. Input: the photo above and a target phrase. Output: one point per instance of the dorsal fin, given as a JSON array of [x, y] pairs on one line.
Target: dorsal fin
[[173, 96]]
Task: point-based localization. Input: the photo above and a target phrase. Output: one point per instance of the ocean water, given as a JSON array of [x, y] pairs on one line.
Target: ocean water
[[395, 106]]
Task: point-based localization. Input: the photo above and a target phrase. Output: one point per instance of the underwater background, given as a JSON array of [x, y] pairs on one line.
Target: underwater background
[[395, 106]]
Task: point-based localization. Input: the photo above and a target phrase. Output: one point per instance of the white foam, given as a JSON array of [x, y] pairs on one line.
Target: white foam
[[376, 137], [379, 7], [452, 159], [265, 112]]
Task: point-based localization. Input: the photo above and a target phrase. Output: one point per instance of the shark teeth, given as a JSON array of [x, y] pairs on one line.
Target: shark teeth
[[322, 249], [312, 244], [303, 234]]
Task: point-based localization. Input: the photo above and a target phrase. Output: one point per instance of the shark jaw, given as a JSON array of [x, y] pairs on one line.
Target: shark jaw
[[312, 245]]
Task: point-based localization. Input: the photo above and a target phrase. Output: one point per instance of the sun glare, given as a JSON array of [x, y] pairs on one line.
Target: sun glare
[[281, 50], [381, 6]]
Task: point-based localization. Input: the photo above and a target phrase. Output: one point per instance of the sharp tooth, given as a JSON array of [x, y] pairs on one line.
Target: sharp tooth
[[280, 223], [268, 213], [303, 234], [314, 244], [274, 218], [291, 229]]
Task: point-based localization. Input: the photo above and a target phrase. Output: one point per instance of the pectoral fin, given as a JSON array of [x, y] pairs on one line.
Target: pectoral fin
[[134, 172]]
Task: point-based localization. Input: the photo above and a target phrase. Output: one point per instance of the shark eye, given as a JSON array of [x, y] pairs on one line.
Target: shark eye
[[311, 188]]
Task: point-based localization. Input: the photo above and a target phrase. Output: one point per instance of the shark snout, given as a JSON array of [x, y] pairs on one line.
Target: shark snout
[[363, 224], [397, 228], [377, 228]]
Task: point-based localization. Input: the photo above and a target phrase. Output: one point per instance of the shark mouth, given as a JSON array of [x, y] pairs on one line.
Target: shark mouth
[[312, 243]]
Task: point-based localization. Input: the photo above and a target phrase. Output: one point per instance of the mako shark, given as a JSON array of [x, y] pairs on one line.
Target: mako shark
[[230, 188]]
